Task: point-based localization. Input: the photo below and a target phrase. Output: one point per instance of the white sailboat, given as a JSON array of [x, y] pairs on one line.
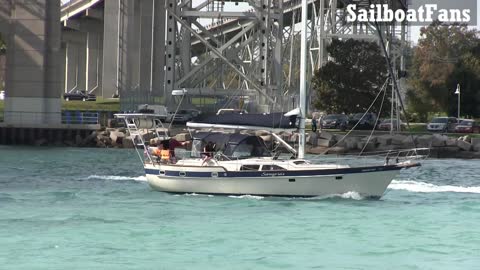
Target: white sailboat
[[244, 166]]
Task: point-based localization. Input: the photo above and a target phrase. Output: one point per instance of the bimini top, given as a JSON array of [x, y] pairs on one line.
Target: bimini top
[[268, 121], [231, 145]]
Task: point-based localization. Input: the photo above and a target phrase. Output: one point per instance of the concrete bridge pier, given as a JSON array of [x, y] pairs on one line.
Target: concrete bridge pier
[[134, 50], [74, 64], [84, 52], [33, 78], [94, 56]]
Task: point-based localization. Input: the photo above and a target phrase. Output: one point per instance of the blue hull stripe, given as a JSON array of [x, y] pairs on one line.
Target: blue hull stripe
[[342, 171]]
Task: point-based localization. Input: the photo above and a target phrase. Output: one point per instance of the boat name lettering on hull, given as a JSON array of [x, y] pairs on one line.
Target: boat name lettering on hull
[[273, 174]]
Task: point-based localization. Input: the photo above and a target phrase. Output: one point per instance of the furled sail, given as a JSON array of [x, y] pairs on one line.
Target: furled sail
[[268, 120]]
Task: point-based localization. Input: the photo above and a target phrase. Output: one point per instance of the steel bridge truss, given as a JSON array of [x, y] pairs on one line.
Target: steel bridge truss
[[255, 52], [243, 62], [327, 21]]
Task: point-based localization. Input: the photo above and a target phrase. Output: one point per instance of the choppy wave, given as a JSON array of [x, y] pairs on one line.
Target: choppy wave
[[117, 178], [423, 187]]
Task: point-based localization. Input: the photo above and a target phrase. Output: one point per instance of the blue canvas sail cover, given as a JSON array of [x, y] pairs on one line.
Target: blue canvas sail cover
[[270, 120]]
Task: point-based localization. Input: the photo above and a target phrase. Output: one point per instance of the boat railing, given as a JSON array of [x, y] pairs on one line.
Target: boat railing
[[390, 157], [136, 122], [375, 158], [139, 124]]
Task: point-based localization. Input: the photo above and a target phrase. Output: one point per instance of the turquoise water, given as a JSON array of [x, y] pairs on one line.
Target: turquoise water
[[70, 208]]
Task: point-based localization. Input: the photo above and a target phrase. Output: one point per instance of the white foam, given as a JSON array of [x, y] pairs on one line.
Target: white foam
[[118, 178], [193, 194], [415, 186], [246, 197], [190, 194], [351, 195]]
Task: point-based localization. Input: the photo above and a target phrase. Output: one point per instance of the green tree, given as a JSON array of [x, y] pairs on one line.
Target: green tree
[[350, 82], [446, 55]]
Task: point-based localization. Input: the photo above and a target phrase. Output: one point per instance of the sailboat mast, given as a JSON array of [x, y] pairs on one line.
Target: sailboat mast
[[303, 81]]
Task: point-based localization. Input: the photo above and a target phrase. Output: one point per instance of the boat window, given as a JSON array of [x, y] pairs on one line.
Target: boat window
[[197, 148], [243, 150], [272, 168], [299, 162], [249, 167]]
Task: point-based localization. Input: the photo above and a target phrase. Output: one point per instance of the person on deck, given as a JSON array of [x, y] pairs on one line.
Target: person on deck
[[208, 152], [155, 152], [170, 145], [314, 124]]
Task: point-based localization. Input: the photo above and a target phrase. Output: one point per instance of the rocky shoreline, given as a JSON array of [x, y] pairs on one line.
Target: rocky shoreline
[[441, 146]]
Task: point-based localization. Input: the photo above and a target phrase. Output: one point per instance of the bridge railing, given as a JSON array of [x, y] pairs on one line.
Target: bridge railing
[[65, 117], [79, 117]]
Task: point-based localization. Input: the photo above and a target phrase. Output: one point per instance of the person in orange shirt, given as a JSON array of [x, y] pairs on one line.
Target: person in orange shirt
[[170, 145]]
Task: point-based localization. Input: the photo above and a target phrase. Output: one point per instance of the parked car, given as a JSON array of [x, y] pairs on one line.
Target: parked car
[[79, 95], [338, 121], [2, 95], [468, 126], [182, 116], [159, 110], [194, 112], [386, 124], [366, 121], [442, 124]]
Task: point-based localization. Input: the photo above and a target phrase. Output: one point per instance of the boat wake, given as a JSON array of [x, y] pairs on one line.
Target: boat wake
[[423, 187], [194, 194], [351, 195], [117, 178], [348, 195]]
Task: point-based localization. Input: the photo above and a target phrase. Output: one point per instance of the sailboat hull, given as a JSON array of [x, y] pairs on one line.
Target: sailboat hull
[[370, 184]]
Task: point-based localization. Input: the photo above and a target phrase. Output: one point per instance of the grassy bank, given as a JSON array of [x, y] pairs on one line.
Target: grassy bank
[[99, 105]]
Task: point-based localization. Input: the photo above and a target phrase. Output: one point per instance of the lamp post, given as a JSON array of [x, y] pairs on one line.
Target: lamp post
[[457, 92]]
